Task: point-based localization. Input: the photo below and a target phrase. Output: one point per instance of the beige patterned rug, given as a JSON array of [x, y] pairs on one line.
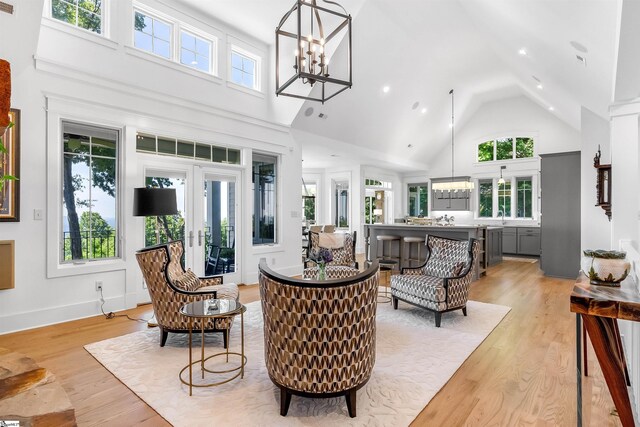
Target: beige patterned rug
[[414, 360]]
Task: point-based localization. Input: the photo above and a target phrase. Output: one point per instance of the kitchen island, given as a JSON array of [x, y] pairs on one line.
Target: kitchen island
[[459, 232]]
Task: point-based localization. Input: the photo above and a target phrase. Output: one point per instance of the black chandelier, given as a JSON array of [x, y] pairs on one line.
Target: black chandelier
[[312, 34]]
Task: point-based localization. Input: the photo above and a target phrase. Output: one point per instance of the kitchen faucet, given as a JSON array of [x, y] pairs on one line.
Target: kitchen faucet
[[502, 213]]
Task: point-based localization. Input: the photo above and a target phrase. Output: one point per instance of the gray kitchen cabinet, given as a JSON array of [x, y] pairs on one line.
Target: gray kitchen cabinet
[[450, 201], [509, 241], [528, 241], [494, 246], [560, 220]]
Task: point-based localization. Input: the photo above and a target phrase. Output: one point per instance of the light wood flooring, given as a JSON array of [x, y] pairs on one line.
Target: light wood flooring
[[522, 374]]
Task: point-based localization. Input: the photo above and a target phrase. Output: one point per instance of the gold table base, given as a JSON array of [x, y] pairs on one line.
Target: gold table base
[[202, 360]]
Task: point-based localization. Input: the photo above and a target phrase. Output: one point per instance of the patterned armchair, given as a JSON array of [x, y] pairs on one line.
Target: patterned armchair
[[345, 255], [441, 284], [319, 337], [171, 287]]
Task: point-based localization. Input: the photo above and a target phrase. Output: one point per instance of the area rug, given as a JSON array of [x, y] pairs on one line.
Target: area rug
[[414, 360]]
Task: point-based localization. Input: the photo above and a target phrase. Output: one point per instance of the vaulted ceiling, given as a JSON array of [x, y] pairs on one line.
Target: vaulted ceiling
[[423, 48]]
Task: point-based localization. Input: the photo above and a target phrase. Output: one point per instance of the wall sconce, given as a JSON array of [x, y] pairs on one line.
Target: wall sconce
[[603, 184]]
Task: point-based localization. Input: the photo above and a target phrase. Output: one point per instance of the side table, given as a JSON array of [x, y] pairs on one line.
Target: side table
[[213, 309]]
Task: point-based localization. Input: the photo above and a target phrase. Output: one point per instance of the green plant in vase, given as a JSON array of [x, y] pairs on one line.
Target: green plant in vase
[[3, 150]]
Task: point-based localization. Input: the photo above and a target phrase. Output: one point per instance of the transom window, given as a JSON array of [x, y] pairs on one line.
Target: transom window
[[90, 193], [244, 69], [86, 14], [507, 148], [195, 51], [167, 146], [152, 34]]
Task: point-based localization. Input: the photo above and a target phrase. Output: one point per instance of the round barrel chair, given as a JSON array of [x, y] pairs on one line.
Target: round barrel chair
[[319, 336]]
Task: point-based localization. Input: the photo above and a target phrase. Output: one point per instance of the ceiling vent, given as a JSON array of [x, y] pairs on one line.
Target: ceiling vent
[[582, 59], [6, 8], [323, 116]]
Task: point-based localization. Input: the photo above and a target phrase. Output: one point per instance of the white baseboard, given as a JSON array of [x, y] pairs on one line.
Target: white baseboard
[[53, 315]]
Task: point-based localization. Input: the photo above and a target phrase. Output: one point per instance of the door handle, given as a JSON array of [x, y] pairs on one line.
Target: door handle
[[191, 239], [199, 237]]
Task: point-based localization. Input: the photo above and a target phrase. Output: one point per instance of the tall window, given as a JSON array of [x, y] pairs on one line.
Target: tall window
[[195, 51], [152, 34], [369, 206], [309, 193], [244, 69], [341, 217], [418, 199], [264, 178], [90, 193], [504, 199], [524, 198], [85, 14], [485, 197]]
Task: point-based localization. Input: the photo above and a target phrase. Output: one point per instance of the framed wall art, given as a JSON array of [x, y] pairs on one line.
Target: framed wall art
[[10, 165]]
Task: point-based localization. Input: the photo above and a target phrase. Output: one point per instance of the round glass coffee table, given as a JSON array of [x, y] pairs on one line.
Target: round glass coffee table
[[213, 309]]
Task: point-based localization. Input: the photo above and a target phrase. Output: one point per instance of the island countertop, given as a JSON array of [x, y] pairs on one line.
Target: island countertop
[[406, 253]]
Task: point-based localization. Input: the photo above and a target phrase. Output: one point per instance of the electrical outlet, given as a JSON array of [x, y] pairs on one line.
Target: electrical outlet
[[98, 285]]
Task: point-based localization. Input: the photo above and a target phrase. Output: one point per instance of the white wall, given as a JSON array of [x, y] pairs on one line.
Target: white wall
[[77, 77], [596, 228]]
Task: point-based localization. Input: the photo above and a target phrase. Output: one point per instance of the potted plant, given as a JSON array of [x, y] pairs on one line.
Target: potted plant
[[607, 268]]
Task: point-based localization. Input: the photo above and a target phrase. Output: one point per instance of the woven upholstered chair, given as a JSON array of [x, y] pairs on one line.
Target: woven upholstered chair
[[441, 284], [345, 255], [171, 287], [319, 336]]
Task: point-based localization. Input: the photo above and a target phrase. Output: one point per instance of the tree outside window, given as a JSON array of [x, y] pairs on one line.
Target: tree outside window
[[485, 192], [485, 151], [264, 179], [86, 14], [524, 199], [504, 199], [90, 204]]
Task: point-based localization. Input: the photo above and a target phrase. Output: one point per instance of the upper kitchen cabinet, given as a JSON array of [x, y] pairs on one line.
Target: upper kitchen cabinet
[[445, 200]]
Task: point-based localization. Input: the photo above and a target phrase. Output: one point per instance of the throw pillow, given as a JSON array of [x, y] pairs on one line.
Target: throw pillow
[[188, 281]]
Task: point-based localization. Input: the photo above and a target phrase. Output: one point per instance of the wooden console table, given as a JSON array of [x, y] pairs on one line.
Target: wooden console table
[[600, 307]]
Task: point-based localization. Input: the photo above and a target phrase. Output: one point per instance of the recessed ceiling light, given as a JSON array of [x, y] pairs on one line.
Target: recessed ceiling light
[[551, 108], [539, 86], [522, 52], [385, 89], [423, 111], [450, 125], [415, 105]]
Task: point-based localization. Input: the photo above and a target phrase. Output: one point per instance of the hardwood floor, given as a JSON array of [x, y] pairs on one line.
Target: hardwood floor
[[522, 374]]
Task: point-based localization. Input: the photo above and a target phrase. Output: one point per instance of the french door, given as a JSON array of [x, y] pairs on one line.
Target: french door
[[208, 219], [217, 219]]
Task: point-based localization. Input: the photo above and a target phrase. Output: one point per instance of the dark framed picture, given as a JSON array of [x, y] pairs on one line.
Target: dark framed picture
[[10, 165]]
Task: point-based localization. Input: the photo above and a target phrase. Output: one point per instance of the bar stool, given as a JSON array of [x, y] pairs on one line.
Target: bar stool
[[386, 258], [410, 240]]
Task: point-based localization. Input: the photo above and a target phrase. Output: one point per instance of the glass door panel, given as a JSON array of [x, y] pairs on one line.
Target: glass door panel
[[220, 225]]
